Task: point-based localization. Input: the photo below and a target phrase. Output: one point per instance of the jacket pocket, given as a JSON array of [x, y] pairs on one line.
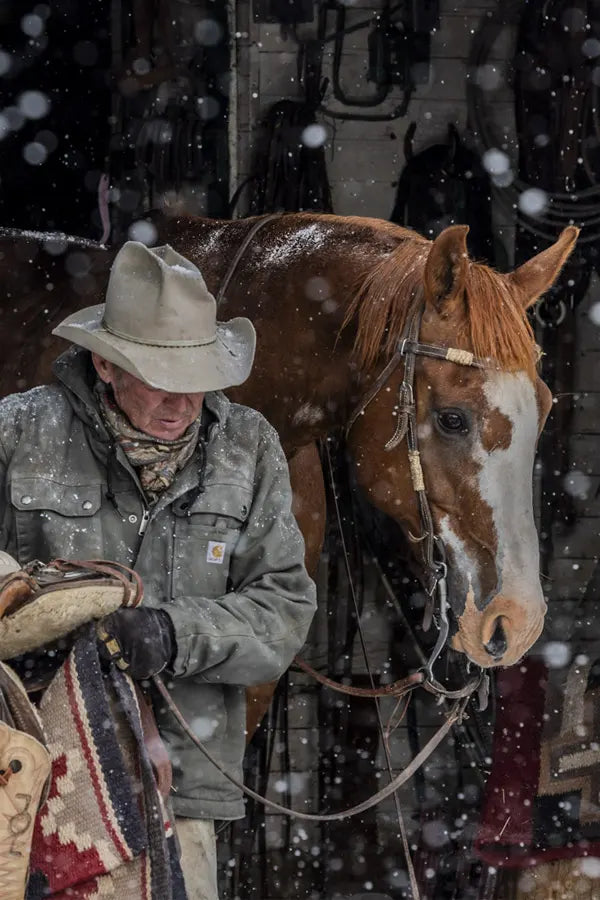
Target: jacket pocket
[[205, 536], [53, 519]]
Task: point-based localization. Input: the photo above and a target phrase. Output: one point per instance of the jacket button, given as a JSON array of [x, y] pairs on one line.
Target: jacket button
[[133, 518], [26, 499], [244, 510], [87, 504]]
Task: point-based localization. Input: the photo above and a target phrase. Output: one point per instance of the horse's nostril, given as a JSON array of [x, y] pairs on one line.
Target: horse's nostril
[[497, 644]]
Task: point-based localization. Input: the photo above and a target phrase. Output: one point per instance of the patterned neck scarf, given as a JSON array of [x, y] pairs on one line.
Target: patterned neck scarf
[[157, 461]]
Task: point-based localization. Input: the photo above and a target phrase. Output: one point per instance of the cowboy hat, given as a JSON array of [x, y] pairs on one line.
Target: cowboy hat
[[159, 323]]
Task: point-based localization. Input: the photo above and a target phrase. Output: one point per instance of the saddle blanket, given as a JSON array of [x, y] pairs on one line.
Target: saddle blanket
[[103, 831]]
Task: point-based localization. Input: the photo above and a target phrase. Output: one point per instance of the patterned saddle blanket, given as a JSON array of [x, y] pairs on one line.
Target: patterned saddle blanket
[[81, 813]]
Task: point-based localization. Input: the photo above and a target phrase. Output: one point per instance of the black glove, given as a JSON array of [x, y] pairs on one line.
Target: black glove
[[140, 641]]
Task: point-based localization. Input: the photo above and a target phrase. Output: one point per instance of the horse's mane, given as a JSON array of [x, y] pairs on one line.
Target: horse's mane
[[496, 326]]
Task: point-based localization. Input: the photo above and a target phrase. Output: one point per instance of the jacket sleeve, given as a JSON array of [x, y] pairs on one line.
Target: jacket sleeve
[[250, 635]]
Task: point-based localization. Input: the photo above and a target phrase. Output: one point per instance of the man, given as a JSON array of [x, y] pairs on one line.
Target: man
[[136, 456]]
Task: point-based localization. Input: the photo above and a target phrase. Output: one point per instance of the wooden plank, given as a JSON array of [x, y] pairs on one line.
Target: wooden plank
[[302, 712], [581, 542], [356, 199], [585, 493], [367, 161], [278, 76], [458, 27], [452, 40], [587, 371], [432, 116], [447, 83], [585, 453], [448, 79], [304, 789], [570, 577], [586, 412], [588, 330], [469, 7]]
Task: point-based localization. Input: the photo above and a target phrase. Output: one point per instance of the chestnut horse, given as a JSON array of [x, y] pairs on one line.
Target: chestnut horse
[[331, 298]]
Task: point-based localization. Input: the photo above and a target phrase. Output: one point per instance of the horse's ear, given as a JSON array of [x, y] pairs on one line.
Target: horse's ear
[[535, 276], [446, 266]]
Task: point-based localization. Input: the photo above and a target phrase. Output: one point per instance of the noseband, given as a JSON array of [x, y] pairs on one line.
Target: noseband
[[435, 569]]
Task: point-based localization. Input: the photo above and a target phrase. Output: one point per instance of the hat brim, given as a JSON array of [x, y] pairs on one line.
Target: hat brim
[[224, 363]]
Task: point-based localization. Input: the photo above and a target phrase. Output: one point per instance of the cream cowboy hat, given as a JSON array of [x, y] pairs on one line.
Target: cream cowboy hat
[[159, 323]]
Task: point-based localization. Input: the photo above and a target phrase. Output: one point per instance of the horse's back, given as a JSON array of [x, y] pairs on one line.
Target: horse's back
[[44, 277], [278, 279]]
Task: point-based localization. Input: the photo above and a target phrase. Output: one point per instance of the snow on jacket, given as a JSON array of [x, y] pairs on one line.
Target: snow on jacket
[[229, 568]]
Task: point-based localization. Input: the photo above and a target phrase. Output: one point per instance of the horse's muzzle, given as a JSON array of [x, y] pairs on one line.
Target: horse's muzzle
[[502, 633]]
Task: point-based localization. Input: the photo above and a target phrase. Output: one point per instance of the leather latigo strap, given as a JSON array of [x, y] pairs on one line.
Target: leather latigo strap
[[129, 578], [16, 590]]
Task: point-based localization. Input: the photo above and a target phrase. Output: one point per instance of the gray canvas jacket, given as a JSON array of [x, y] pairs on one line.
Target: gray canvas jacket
[[228, 568]]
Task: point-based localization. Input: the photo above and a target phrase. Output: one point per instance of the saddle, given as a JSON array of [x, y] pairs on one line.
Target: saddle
[[40, 605]]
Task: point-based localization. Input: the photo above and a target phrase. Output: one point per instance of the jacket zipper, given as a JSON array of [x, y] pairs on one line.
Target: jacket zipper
[[144, 521]]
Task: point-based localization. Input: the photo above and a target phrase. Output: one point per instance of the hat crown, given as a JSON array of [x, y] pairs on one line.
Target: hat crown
[[156, 296]]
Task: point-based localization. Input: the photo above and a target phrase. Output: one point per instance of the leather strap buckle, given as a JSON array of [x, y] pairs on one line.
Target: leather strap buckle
[[113, 647]]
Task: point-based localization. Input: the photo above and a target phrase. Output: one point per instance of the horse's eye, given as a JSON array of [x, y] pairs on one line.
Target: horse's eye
[[453, 421]]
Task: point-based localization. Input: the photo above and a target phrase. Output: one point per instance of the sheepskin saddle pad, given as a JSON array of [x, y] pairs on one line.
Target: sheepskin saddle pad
[[42, 603]]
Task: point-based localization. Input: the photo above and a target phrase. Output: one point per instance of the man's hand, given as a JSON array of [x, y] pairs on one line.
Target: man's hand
[[140, 641]]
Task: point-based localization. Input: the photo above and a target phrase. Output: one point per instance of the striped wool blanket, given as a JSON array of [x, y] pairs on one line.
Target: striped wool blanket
[[103, 831]]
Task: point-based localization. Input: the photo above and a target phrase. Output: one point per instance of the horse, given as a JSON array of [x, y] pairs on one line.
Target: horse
[[368, 328]]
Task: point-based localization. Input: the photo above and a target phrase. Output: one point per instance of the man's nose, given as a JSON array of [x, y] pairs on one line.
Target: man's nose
[[176, 402]]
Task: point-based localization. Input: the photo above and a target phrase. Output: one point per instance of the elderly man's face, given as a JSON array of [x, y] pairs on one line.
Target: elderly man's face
[[159, 414]]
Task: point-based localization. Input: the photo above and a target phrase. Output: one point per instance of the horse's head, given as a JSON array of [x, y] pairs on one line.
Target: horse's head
[[476, 428]]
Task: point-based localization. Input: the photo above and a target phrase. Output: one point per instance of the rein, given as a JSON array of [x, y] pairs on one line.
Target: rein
[[455, 715]]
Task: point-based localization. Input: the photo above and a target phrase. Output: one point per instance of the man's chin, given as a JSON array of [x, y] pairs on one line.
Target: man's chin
[[167, 431]]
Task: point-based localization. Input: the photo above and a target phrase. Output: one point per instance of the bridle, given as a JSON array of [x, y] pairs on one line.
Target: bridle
[[434, 565]]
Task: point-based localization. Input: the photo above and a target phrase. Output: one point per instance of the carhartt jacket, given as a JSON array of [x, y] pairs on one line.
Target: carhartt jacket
[[228, 566]]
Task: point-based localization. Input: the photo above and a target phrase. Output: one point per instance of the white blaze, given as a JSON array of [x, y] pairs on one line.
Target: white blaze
[[506, 484]]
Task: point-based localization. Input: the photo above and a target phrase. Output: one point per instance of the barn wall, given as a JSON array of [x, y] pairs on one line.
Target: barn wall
[[577, 548], [364, 161]]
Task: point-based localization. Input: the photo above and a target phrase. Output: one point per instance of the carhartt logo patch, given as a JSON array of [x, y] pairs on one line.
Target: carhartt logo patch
[[215, 552]]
